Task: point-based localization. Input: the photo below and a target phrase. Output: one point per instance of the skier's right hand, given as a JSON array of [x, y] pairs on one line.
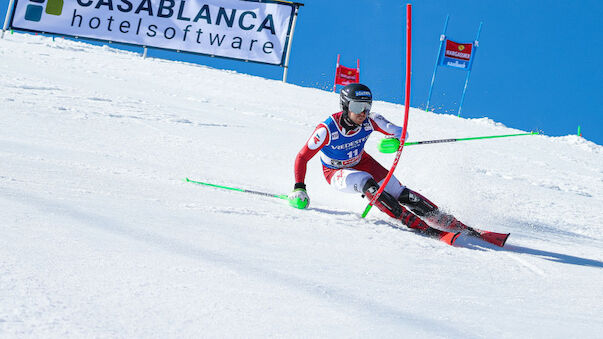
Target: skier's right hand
[[299, 197]]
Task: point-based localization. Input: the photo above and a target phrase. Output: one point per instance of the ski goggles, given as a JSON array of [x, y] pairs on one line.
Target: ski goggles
[[358, 107]]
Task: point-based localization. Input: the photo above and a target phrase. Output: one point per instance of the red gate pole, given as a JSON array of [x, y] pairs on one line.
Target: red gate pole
[[406, 108], [336, 70]]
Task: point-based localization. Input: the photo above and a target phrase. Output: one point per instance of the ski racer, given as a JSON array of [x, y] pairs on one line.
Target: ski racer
[[348, 168]]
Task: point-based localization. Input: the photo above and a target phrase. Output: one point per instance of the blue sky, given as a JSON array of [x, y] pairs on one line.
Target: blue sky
[[537, 66]]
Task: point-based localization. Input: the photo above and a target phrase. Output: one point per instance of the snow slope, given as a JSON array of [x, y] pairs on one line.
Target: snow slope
[[100, 236]]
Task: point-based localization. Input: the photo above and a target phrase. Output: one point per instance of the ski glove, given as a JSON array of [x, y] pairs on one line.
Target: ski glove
[[389, 145], [299, 198]]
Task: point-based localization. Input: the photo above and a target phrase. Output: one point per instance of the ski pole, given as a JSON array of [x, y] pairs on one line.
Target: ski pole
[[280, 196], [463, 139]]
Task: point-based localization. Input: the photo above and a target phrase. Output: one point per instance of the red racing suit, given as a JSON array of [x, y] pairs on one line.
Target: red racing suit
[[344, 149]]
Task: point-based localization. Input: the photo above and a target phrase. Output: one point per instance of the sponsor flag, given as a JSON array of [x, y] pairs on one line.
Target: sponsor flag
[[345, 75], [457, 55]]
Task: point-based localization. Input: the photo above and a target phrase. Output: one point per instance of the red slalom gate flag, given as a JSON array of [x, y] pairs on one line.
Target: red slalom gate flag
[[345, 75]]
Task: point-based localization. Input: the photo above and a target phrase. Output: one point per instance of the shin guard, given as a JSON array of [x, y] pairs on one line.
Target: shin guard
[[386, 203]]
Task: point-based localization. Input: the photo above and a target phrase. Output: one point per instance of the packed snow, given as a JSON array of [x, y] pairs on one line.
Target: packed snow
[[101, 237]]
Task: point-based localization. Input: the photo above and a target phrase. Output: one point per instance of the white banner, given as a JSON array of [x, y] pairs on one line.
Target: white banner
[[239, 29]]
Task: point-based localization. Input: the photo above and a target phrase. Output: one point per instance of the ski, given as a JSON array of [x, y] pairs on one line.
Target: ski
[[444, 236], [431, 232], [450, 223], [498, 239]]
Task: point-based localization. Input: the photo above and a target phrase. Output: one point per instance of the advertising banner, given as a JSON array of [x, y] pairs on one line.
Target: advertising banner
[[457, 55], [238, 29]]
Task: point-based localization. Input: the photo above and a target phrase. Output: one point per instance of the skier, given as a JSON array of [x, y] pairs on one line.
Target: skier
[[348, 168]]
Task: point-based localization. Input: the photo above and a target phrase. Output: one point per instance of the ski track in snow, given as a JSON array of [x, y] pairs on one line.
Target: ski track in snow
[[102, 238]]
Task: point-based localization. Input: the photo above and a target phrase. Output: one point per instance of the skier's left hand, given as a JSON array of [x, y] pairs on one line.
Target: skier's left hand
[[389, 145]]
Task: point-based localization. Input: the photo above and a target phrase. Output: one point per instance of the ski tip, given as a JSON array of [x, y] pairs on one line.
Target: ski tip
[[504, 241], [498, 239]]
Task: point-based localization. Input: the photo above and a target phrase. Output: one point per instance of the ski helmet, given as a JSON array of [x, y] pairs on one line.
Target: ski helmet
[[354, 92]]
